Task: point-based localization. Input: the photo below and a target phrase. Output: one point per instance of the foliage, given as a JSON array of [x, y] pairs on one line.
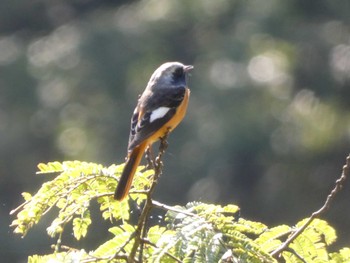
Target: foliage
[[71, 192], [197, 232]]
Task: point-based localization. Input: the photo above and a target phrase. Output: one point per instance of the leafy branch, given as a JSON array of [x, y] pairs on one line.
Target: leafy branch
[[196, 232]]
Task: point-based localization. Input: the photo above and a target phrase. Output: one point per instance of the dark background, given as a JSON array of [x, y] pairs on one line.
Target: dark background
[[268, 126]]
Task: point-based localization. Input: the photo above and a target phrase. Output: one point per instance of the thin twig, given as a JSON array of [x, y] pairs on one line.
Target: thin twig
[[13, 211], [148, 203], [172, 208], [99, 259], [292, 251], [146, 241], [123, 246], [339, 183]]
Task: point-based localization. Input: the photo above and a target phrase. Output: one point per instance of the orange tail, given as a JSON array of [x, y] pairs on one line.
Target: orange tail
[[128, 173]]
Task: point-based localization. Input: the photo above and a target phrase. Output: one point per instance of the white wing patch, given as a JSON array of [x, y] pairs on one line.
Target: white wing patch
[[158, 113]]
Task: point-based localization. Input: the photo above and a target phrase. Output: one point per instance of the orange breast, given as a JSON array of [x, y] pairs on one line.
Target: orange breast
[[174, 121]]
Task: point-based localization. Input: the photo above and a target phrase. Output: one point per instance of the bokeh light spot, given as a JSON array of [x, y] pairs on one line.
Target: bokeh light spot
[[224, 74], [204, 189], [74, 113], [72, 141], [213, 8], [9, 50], [340, 62], [53, 93], [59, 48], [261, 68], [268, 68]]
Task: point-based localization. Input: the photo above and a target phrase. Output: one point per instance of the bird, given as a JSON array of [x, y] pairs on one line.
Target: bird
[[160, 108]]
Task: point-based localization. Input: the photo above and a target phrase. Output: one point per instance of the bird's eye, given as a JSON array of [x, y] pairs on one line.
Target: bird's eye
[[178, 72]]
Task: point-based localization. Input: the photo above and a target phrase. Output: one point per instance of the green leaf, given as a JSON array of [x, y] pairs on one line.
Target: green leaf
[[270, 239], [342, 256], [113, 209], [27, 196], [71, 191], [207, 236], [50, 167], [118, 242], [63, 257], [80, 225], [322, 230]]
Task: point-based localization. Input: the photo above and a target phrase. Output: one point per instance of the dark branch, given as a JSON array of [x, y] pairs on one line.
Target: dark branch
[[339, 183], [141, 225]]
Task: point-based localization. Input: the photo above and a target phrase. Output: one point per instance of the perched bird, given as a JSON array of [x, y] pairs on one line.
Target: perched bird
[[160, 108]]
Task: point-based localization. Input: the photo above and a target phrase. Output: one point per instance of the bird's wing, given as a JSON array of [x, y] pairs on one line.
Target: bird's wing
[[153, 111]]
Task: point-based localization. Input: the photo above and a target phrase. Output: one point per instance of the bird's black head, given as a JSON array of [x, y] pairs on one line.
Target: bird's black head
[[180, 73], [171, 74]]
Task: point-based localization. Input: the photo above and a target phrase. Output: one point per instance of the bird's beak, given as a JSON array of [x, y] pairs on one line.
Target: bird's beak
[[187, 68]]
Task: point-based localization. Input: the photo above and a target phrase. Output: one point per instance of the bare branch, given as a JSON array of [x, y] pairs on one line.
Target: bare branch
[[145, 241], [172, 208], [339, 183], [141, 225]]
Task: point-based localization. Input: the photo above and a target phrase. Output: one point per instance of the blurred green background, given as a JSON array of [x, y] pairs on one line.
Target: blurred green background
[[268, 126]]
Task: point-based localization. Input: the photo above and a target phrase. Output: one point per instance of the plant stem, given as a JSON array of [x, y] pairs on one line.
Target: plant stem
[[338, 186], [141, 225]]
